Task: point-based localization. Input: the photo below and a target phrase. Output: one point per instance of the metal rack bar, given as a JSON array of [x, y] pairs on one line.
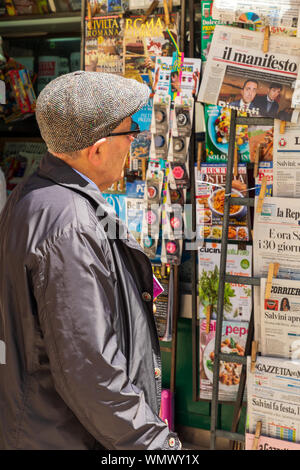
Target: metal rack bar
[[224, 277], [220, 306]]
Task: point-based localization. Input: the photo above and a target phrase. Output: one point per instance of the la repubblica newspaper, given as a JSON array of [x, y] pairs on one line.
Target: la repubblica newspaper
[[236, 58], [273, 397]]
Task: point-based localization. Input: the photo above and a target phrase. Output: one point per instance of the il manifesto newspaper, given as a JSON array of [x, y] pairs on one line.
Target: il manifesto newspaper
[[239, 75], [274, 398]]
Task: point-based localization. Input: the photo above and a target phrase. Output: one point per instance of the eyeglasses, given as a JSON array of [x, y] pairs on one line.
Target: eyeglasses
[[134, 130]]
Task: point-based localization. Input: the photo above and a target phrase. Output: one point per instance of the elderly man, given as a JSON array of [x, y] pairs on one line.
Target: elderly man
[[82, 368]]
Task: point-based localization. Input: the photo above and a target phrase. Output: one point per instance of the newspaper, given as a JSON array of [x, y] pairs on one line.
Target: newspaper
[[237, 297], [286, 161], [239, 75], [234, 336], [273, 398], [280, 13], [276, 237], [280, 319]]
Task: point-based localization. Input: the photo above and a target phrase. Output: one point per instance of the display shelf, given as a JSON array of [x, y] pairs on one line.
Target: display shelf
[[14, 26]]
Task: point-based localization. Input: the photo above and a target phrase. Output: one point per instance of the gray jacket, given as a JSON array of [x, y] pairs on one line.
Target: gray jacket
[[82, 364]]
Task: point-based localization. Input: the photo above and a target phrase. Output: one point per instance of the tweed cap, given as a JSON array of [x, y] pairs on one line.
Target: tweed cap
[[75, 110]]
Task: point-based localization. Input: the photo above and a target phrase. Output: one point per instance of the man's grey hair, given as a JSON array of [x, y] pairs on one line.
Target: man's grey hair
[[73, 155]]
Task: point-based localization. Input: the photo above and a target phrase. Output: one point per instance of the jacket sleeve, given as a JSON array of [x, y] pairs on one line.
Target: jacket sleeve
[[74, 288]]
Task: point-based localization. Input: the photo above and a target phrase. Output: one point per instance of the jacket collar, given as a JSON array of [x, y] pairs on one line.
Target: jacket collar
[[61, 173]]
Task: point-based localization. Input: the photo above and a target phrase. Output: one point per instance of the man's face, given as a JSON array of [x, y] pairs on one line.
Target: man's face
[[274, 93], [113, 155], [249, 92]]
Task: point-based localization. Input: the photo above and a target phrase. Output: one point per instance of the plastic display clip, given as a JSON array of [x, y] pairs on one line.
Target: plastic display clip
[[256, 161], [254, 347], [167, 15], [266, 39], [257, 435], [208, 316], [199, 155], [272, 272], [150, 10], [282, 127], [89, 11], [262, 194], [235, 163]]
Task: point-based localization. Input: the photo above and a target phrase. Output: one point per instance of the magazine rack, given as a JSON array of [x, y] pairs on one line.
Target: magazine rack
[[232, 435]]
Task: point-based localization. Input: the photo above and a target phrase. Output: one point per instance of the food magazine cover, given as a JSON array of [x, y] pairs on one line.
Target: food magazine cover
[[237, 297], [234, 337], [210, 196]]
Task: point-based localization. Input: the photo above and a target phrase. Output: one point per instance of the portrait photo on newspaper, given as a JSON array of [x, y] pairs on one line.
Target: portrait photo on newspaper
[[257, 94]]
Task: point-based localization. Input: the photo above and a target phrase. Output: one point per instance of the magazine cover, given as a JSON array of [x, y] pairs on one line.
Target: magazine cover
[[237, 297], [104, 44], [188, 84], [217, 122], [210, 196], [234, 336], [163, 305], [208, 23], [144, 41], [269, 443], [239, 75]]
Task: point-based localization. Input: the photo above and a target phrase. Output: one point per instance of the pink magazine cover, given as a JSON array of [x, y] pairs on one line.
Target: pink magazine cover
[[157, 288], [269, 443], [167, 410]]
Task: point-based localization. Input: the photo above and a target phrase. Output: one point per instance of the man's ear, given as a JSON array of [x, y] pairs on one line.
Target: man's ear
[[94, 155]]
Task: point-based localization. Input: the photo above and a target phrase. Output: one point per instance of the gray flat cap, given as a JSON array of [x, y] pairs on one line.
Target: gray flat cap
[[75, 110]]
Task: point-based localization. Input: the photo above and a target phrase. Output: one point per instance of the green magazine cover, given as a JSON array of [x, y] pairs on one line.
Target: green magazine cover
[[217, 123]]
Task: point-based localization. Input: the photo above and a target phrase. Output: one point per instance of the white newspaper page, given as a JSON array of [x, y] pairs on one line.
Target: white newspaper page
[[239, 75], [273, 392], [276, 238], [280, 319], [282, 13], [286, 160]]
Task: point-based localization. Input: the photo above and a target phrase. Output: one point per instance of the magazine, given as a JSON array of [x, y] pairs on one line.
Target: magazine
[[286, 162], [210, 194], [280, 319], [208, 23], [163, 305], [273, 398], [190, 76], [276, 238], [104, 44], [239, 75], [234, 336], [237, 297], [144, 41], [264, 169], [277, 14], [269, 443]]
